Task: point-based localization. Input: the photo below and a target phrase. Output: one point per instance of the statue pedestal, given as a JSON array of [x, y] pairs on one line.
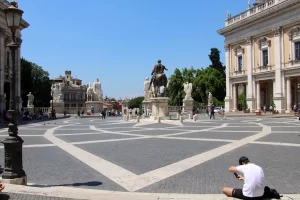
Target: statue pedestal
[[159, 108], [30, 108], [59, 106], [188, 105], [98, 105], [147, 105]]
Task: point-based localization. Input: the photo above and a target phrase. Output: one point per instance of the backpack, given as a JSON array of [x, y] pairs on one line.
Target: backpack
[[271, 193]]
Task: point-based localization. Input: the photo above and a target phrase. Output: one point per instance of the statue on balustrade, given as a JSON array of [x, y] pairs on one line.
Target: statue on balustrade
[[188, 87], [30, 100]]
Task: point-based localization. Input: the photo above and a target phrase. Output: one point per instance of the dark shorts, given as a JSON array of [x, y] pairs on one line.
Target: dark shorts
[[238, 193]]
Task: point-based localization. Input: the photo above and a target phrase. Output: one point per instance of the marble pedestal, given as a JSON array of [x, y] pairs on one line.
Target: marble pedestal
[[159, 108], [147, 105], [59, 106], [30, 108], [98, 105], [188, 105]]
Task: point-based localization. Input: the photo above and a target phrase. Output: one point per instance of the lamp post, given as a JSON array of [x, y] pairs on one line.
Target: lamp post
[[13, 171]]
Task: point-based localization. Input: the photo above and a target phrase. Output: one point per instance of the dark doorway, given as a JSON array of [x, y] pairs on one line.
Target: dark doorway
[[7, 92]]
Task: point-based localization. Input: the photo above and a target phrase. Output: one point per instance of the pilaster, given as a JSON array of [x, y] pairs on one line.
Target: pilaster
[[288, 96], [249, 96], [258, 106], [234, 90], [278, 74], [228, 89]]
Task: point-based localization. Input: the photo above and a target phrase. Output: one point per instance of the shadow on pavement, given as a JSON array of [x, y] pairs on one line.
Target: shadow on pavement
[[4, 196], [91, 183]]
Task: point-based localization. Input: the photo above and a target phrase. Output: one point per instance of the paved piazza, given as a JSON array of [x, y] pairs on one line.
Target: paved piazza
[[171, 157]]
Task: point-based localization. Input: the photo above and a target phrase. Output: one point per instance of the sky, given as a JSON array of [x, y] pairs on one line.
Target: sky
[[119, 41]]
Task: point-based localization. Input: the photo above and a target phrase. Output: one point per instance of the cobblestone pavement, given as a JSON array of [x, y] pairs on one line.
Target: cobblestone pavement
[[16, 196], [171, 157]]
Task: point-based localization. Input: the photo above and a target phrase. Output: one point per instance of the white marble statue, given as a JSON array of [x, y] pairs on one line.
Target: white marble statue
[[249, 3], [56, 92], [97, 91], [146, 89], [188, 87], [30, 99], [210, 98], [90, 93]]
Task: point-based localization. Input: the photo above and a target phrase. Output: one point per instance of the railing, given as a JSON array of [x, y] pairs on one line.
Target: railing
[[174, 108], [252, 11], [263, 68], [38, 109], [239, 73]]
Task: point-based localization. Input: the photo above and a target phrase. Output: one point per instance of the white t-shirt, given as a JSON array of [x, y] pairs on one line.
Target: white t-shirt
[[254, 182]]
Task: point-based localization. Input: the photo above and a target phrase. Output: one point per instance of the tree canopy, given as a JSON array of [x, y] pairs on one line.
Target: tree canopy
[[210, 79], [135, 102], [35, 80]]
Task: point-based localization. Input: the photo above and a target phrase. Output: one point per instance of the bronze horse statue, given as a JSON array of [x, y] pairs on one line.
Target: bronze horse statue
[[159, 79]]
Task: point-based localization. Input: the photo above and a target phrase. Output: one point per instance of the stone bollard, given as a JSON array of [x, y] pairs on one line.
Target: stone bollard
[[143, 116], [177, 116], [190, 116], [130, 117], [158, 119], [181, 118], [195, 117], [127, 118], [138, 119]]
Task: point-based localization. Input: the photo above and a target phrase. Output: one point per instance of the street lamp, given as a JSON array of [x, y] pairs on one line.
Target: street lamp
[[13, 171]]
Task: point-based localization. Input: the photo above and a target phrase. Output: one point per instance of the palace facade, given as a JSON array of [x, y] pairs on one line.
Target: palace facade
[[6, 61], [262, 55]]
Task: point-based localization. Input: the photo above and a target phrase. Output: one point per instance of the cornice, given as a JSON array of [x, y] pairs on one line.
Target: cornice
[[261, 16]]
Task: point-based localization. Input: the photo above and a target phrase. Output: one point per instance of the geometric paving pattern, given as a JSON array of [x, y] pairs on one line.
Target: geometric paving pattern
[[171, 157]]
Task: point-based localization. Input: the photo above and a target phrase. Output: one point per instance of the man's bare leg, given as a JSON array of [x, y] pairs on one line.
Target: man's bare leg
[[227, 191]]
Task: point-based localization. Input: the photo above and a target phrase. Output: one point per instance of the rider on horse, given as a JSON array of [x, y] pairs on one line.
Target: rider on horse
[[158, 69]]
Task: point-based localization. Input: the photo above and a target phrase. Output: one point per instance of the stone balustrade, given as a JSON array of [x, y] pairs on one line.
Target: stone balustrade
[[263, 69], [252, 11]]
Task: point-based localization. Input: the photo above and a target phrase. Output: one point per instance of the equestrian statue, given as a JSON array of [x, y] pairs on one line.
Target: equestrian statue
[[159, 79]]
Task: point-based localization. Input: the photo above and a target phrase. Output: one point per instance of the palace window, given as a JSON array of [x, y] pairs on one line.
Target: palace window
[[294, 36], [66, 96], [297, 50], [239, 53], [265, 57], [240, 63]]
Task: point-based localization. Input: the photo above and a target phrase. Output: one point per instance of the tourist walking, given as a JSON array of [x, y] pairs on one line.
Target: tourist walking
[[212, 112]]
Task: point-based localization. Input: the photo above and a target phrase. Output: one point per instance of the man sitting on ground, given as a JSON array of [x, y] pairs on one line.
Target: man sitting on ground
[[253, 181]]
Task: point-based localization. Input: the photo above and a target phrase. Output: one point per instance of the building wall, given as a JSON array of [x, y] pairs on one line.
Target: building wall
[[278, 78]]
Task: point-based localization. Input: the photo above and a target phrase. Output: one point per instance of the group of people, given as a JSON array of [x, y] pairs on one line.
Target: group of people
[[211, 112]]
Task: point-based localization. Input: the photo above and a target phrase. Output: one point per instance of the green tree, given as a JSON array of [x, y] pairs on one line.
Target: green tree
[[175, 87], [35, 80], [41, 86], [242, 101], [135, 102], [214, 57], [26, 82], [208, 80], [188, 75]]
